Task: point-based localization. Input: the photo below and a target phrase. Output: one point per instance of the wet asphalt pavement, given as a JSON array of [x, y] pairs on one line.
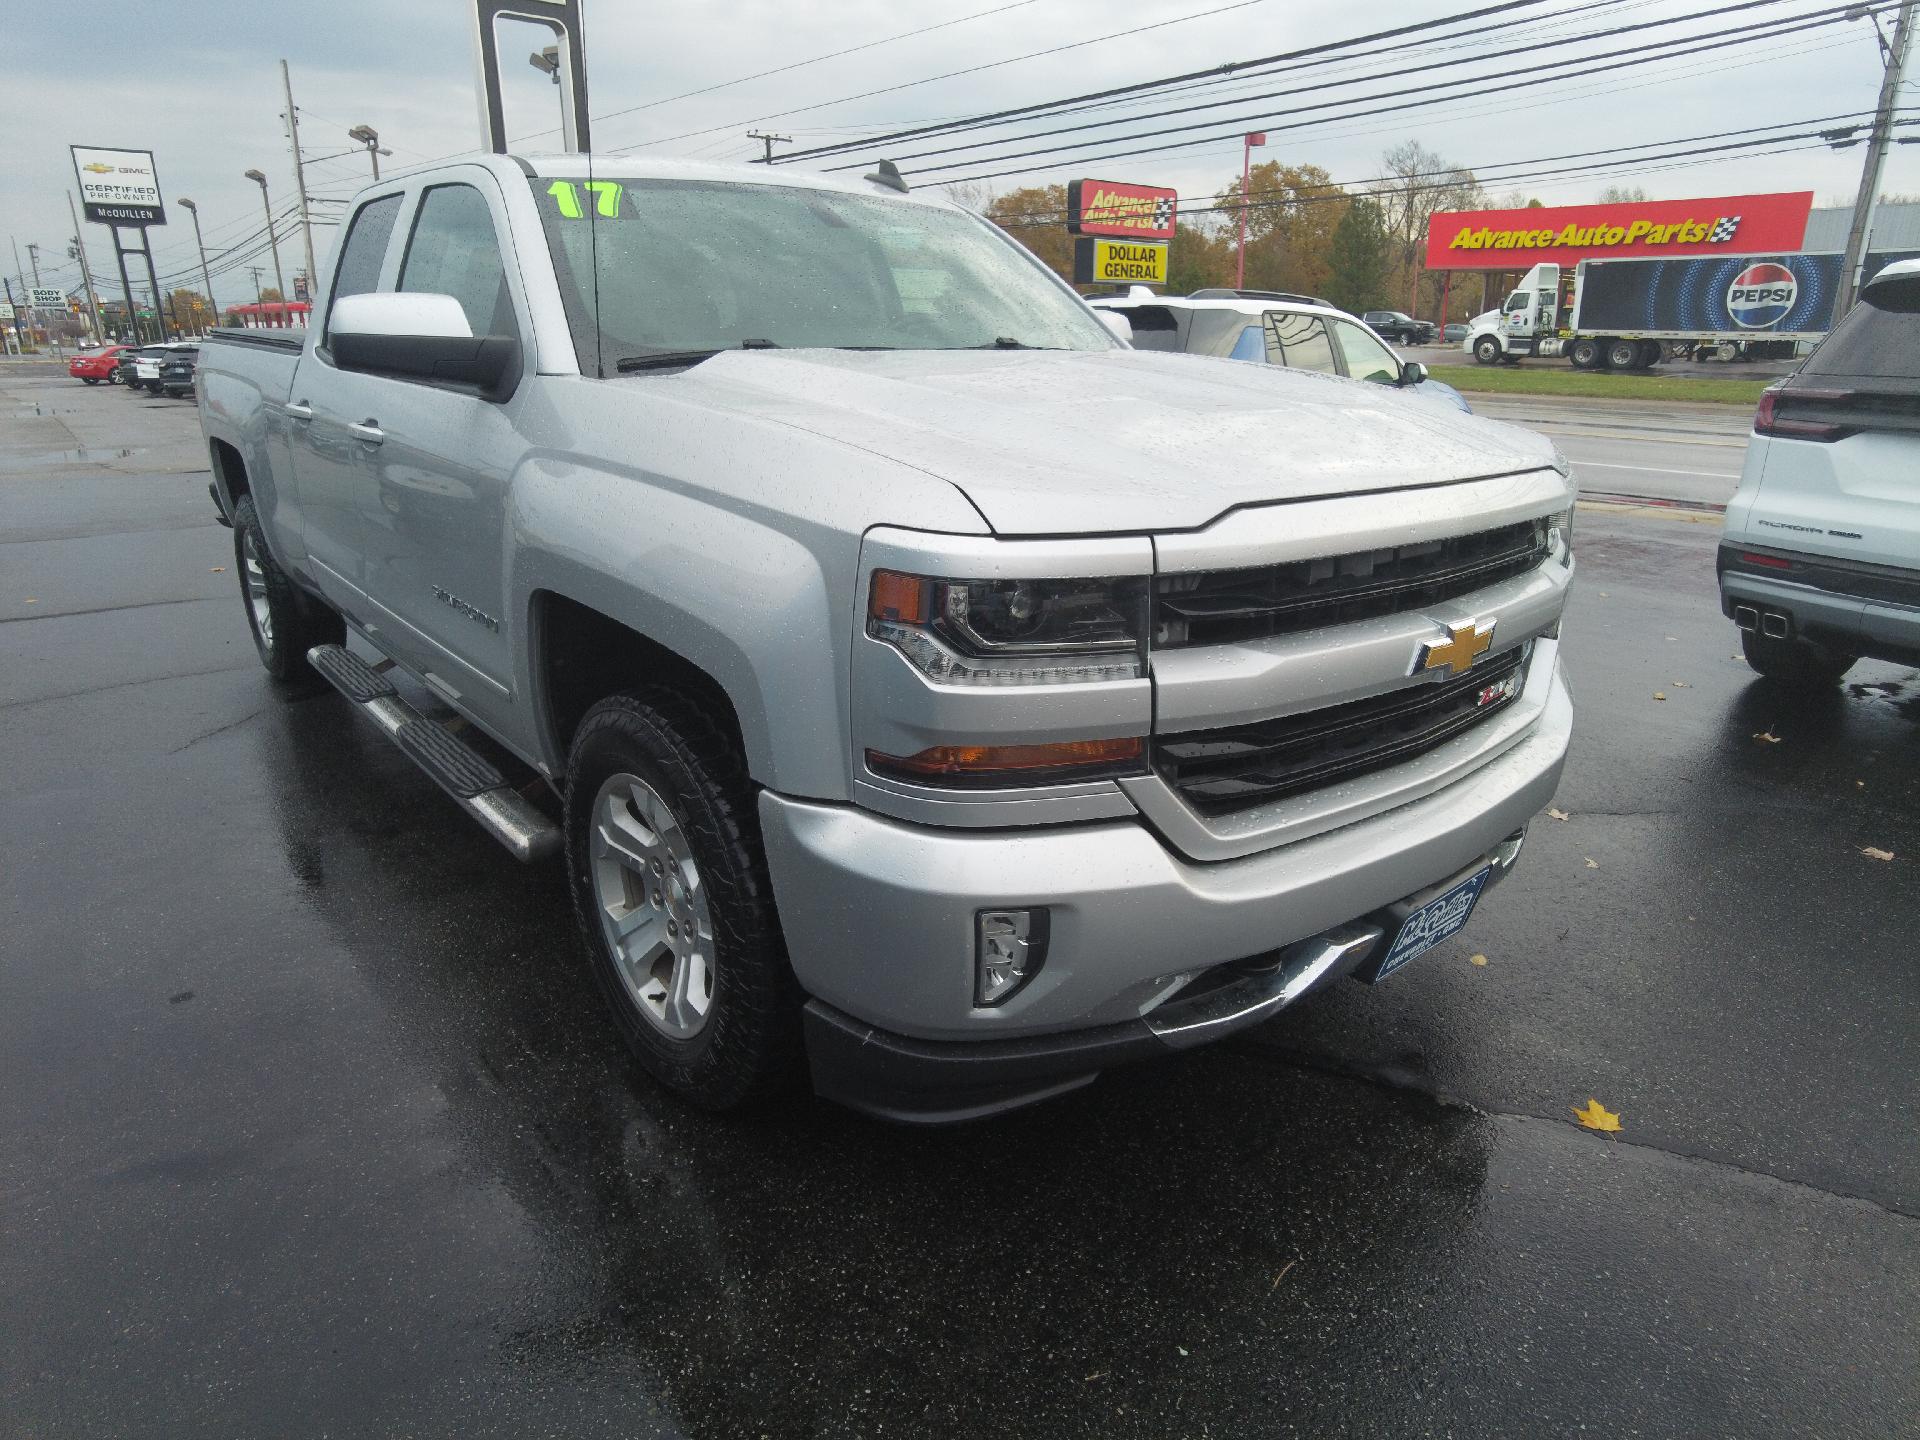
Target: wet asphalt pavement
[[312, 1124]]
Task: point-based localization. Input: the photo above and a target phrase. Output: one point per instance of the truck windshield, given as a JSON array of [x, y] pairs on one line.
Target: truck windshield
[[679, 269]]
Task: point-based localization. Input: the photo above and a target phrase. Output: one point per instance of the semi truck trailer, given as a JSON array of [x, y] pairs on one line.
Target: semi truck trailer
[[1630, 314]]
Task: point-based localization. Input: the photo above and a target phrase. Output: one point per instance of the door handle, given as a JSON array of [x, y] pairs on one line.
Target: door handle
[[299, 410], [367, 430]]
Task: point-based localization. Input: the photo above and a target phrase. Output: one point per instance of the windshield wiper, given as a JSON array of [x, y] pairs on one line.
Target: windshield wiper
[[667, 359], [1007, 342]]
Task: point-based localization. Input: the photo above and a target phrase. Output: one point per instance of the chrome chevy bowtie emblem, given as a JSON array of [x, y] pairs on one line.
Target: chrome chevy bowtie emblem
[[1458, 651]]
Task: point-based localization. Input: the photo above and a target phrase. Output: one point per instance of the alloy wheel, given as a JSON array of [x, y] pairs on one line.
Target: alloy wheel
[[653, 906]]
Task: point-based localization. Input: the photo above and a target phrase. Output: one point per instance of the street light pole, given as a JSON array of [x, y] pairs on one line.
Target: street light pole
[[368, 136], [1895, 56], [205, 278], [1248, 141], [273, 240]]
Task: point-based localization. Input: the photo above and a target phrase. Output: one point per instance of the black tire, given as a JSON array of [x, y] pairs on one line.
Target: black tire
[[1487, 350], [1652, 352], [113, 376], [1585, 354], [1623, 354], [90, 379], [296, 621], [1796, 664], [749, 1044]]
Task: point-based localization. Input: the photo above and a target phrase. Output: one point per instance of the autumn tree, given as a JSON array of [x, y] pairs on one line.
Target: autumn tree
[[1201, 257], [1357, 258], [1623, 195], [1291, 212], [1419, 183], [1036, 216]]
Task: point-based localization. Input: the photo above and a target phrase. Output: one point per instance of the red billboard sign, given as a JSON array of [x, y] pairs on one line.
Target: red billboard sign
[[1108, 207], [1521, 239]]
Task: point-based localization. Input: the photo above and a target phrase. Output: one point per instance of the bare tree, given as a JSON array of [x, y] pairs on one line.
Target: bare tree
[[974, 195], [1623, 195], [1420, 182]]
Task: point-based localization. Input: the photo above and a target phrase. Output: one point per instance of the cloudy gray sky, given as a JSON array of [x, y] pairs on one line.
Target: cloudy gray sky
[[198, 82]]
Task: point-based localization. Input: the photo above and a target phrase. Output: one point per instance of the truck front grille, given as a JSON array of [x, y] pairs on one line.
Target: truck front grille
[[1231, 768], [1217, 607]]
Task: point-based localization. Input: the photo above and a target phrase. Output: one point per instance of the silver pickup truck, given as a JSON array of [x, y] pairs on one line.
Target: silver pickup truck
[[925, 687]]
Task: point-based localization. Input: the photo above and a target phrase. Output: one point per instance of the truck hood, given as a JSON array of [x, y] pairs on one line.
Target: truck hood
[[1070, 442]]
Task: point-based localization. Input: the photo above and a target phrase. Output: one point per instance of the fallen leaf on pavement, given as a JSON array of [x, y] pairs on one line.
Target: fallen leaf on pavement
[[1556, 814], [1281, 1276], [1875, 854], [1597, 1117], [1673, 637], [1767, 737], [1659, 694], [1592, 864], [1476, 960], [1680, 684], [218, 570]]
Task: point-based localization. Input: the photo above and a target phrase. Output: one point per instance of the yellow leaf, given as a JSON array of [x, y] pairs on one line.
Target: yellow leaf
[[1592, 864], [1477, 960], [1597, 1117], [1872, 854], [1659, 694], [1556, 814], [1767, 737]]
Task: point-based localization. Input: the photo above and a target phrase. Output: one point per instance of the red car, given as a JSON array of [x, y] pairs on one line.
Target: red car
[[98, 365]]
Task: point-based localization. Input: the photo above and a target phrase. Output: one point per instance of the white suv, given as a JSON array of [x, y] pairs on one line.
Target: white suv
[[1820, 559], [1298, 331]]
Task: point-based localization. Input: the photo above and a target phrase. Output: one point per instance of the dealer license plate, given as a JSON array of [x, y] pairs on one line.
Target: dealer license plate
[[1439, 919]]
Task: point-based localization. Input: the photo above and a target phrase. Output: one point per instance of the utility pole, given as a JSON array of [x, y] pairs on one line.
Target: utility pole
[[26, 295], [1895, 58], [256, 284], [299, 172], [33, 259], [769, 141], [86, 274]]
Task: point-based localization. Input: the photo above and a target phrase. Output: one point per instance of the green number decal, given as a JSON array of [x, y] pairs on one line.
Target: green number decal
[[606, 197], [566, 198]]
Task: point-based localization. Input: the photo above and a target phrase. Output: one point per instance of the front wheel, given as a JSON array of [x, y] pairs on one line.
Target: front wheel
[[90, 379], [285, 623], [1796, 664], [113, 376], [675, 906], [1487, 350]]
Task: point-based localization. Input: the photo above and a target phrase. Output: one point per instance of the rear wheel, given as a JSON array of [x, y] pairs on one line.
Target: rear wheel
[[1799, 664], [1487, 350], [90, 379], [1623, 354], [285, 623], [675, 906], [113, 376], [1585, 354]]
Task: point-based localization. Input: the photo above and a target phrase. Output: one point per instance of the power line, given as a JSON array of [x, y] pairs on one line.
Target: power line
[[1263, 120], [1476, 58], [1229, 68], [974, 70]]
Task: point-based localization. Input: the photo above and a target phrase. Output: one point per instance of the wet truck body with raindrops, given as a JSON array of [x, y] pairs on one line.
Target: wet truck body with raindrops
[[927, 692]]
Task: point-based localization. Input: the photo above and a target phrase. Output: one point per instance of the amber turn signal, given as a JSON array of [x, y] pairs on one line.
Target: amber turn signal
[[898, 597], [964, 764]]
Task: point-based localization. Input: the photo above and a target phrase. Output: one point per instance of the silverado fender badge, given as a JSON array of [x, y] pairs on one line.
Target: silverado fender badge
[[1457, 652]]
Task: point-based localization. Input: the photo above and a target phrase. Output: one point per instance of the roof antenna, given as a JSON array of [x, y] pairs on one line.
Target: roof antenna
[[888, 174]]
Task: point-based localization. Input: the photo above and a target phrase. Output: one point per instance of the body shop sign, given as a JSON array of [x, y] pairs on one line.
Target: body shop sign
[[118, 187], [1129, 212], [1521, 239]]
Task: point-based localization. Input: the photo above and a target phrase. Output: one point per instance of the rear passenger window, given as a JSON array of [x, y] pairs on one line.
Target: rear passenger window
[[1154, 327], [1879, 338], [365, 247], [453, 251], [1304, 341]]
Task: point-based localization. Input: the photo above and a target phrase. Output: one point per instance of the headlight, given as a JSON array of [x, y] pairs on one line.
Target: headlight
[[1011, 632], [1560, 532]]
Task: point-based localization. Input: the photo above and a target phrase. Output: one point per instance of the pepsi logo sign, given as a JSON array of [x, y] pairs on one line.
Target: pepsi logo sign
[[1761, 295]]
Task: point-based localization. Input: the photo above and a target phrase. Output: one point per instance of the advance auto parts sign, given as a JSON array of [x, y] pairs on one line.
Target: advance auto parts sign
[[1521, 239], [1133, 212], [118, 187], [1118, 262]]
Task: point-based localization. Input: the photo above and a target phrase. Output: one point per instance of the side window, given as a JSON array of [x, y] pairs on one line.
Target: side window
[[453, 251], [1517, 302], [1304, 341], [1366, 357], [1154, 327], [1252, 345], [364, 248]]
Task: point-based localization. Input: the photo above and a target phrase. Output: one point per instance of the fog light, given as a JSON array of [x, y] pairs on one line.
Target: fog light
[[1009, 946]]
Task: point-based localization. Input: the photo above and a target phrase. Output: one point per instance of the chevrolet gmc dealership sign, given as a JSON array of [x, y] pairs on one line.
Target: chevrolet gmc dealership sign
[[1521, 239], [118, 187]]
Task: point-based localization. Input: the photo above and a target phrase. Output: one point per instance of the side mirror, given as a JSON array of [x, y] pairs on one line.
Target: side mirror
[[1412, 372], [1121, 327], [421, 337]]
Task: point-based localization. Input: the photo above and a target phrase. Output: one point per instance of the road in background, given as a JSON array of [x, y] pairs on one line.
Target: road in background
[[315, 1124], [1689, 453]]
